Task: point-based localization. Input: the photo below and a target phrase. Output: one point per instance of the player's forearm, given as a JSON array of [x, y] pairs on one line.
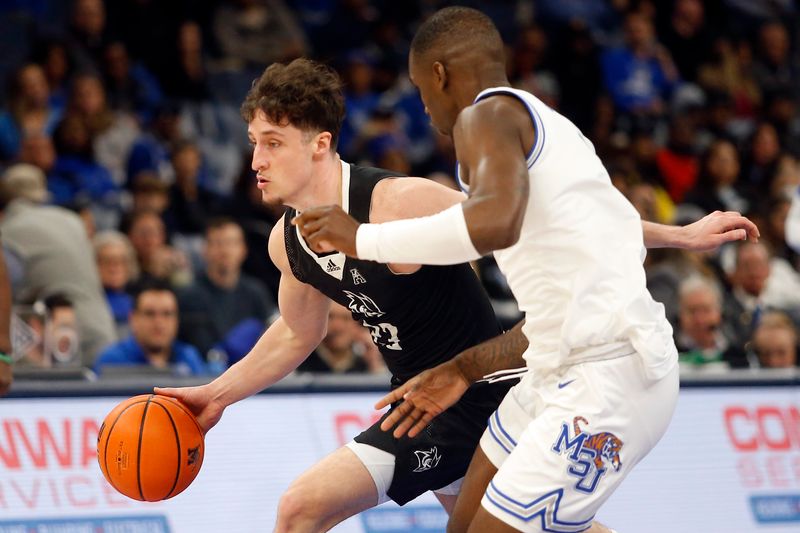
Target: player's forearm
[[661, 235], [499, 353], [277, 353]]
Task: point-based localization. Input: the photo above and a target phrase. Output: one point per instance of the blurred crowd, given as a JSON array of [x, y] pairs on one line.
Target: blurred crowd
[[134, 233]]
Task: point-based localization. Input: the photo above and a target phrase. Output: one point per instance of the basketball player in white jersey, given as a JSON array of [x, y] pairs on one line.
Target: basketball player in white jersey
[[604, 374]]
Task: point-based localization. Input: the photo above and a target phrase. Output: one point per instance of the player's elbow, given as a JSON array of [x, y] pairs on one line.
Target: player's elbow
[[500, 231]]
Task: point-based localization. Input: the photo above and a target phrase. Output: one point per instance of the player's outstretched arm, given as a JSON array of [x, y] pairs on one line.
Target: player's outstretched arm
[[708, 233], [430, 393], [281, 349]]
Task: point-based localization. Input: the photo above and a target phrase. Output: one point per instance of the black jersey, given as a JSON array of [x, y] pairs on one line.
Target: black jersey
[[417, 320]]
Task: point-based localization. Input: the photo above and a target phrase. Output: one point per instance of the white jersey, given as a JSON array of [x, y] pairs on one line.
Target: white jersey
[[576, 271]]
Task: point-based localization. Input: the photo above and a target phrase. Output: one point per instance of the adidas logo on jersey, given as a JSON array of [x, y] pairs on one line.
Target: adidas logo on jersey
[[332, 267]]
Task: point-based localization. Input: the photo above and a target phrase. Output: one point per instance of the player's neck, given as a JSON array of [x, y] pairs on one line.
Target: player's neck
[[325, 188], [482, 80]]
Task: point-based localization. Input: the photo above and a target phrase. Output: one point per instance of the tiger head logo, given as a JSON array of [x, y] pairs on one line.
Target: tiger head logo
[[606, 445]]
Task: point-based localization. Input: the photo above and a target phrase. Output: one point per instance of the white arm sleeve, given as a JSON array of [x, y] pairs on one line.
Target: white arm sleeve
[[440, 239], [793, 223]]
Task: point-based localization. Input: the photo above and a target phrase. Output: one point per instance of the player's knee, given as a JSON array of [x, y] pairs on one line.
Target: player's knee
[[296, 512]]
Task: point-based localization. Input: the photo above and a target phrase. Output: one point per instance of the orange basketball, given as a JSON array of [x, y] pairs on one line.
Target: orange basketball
[[150, 447]]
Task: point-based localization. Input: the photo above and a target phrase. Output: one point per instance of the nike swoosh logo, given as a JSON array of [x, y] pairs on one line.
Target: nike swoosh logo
[[562, 385]]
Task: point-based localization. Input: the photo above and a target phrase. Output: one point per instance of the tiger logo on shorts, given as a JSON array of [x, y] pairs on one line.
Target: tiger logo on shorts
[[588, 453], [606, 444]]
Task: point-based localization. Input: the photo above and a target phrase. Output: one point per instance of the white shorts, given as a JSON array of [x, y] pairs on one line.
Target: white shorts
[[563, 441]]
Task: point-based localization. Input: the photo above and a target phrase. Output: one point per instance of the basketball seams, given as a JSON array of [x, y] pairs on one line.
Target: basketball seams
[[108, 438], [139, 448], [178, 442], [184, 409]]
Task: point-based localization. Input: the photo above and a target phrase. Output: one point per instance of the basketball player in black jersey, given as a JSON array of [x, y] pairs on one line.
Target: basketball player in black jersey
[[418, 316]]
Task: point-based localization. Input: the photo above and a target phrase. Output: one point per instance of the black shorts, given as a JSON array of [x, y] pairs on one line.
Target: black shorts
[[441, 453]]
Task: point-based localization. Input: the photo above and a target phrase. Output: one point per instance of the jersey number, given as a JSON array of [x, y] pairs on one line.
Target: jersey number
[[385, 334]]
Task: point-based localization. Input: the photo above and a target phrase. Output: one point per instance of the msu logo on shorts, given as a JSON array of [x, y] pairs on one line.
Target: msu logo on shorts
[[589, 454]]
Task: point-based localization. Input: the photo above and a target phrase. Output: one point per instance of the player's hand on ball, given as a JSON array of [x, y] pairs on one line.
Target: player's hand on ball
[[199, 400], [425, 397], [327, 229]]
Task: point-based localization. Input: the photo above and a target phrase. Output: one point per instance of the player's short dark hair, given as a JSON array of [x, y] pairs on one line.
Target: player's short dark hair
[[304, 93], [455, 24]]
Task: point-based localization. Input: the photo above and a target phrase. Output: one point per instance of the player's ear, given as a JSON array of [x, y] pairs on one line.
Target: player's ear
[[322, 143], [439, 75]]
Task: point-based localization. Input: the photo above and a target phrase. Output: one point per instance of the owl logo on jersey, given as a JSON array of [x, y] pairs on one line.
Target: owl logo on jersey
[[588, 453], [363, 305]]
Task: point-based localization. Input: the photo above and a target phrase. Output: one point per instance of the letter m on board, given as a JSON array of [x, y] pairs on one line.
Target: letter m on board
[[564, 444]]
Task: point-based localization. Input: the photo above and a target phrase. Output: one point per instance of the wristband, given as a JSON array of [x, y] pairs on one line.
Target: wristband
[[440, 239], [5, 358]]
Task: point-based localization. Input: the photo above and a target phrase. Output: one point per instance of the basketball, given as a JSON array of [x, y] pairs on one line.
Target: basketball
[[150, 447]]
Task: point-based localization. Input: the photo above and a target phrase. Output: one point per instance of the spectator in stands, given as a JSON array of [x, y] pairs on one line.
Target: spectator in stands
[[149, 193], [116, 263], [759, 283], [775, 67], [677, 162], [87, 34], [77, 175], [30, 111], [191, 204], [700, 337], [154, 326], [188, 79], [716, 187], [53, 56], [687, 37], [223, 298], [157, 259], [639, 75], [761, 161], [38, 150], [775, 341], [336, 354], [253, 34], [112, 133], [152, 150], [131, 86], [54, 323], [51, 245]]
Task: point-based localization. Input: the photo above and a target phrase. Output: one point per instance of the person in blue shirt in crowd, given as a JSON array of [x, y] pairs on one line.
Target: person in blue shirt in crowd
[[154, 327]]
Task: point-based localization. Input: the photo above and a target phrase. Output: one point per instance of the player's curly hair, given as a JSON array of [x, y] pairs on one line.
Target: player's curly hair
[[303, 93]]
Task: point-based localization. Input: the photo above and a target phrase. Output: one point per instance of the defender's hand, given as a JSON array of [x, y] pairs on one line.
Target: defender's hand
[[717, 228], [425, 396], [199, 401], [327, 229]]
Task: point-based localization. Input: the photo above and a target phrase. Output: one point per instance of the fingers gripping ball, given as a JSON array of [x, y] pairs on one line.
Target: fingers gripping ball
[[150, 447]]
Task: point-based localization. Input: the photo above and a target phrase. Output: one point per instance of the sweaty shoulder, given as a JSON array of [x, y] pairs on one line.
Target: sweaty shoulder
[[399, 198], [500, 114]]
